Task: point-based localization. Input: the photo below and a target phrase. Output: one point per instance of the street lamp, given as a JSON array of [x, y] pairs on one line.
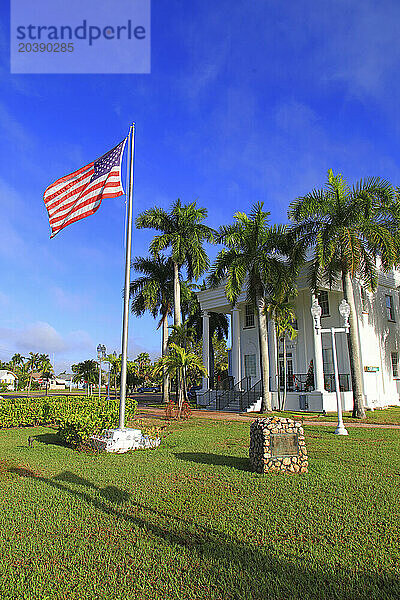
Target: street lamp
[[114, 355], [101, 353], [344, 310]]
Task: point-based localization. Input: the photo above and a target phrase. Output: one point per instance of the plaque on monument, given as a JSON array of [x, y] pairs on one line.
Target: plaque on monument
[[284, 444], [277, 444]]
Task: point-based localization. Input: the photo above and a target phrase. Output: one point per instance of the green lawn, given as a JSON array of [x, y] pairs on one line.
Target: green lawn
[[189, 521], [389, 416]]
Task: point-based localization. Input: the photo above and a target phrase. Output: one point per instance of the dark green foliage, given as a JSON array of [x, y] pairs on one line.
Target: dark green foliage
[[77, 417]]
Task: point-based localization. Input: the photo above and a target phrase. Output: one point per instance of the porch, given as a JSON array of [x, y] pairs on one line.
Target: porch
[[300, 394]]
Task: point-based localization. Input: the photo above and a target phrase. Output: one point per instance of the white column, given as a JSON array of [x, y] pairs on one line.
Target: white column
[[318, 362], [272, 355], [206, 348], [236, 370]]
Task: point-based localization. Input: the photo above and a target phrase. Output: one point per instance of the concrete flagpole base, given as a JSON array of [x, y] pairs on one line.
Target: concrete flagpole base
[[341, 430], [123, 440]]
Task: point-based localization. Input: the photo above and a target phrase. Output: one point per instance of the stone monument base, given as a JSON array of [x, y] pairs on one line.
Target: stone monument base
[[122, 440], [278, 444]]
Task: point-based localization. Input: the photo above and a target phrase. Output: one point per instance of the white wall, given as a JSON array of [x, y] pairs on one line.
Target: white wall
[[378, 338]]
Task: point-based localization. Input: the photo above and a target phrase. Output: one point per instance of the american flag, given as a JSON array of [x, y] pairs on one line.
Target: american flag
[[79, 194]]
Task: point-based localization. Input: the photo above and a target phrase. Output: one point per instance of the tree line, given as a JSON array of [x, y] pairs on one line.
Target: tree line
[[339, 231], [24, 367]]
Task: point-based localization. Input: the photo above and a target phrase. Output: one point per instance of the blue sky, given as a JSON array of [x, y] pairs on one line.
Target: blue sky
[[246, 101]]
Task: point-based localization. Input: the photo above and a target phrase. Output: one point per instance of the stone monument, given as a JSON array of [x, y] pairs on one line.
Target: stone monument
[[278, 444]]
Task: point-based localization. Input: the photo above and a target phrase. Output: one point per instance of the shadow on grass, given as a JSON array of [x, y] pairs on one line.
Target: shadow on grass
[[237, 462], [50, 439], [252, 571]]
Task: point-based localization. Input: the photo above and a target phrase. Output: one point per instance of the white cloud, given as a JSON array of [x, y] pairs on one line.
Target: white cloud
[[42, 337]]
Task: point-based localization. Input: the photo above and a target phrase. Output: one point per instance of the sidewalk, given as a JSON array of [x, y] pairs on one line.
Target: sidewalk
[[144, 412]]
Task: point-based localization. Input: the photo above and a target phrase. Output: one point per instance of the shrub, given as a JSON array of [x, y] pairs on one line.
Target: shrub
[[77, 417], [88, 418]]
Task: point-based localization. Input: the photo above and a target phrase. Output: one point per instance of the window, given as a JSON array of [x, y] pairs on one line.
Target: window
[[249, 320], [327, 359], [249, 365], [323, 301], [389, 308], [364, 300], [395, 364]]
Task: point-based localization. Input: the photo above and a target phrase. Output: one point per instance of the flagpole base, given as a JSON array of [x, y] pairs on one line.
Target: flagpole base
[[123, 440], [341, 430]]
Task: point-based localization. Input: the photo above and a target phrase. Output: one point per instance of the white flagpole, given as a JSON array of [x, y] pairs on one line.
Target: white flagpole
[[128, 249]]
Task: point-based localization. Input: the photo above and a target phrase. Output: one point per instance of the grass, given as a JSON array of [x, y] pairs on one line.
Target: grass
[[388, 416], [190, 521]]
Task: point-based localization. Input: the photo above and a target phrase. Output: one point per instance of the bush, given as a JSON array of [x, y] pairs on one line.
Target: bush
[[87, 418], [77, 418]]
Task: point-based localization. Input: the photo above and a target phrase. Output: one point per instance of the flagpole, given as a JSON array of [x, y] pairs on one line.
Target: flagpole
[[128, 250]]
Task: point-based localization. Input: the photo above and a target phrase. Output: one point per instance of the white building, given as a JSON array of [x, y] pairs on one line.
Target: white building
[[309, 361], [8, 378]]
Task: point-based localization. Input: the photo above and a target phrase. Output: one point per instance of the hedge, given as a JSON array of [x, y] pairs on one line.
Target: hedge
[[77, 418]]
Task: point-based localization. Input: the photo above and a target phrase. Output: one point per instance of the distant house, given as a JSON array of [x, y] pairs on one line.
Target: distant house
[[64, 379], [9, 378]]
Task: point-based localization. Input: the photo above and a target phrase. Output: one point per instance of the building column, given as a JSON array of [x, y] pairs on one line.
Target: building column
[[318, 361], [236, 364], [272, 355], [206, 349]]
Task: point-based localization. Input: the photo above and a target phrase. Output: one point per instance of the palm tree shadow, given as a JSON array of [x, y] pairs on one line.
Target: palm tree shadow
[[205, 542], [237, 462]]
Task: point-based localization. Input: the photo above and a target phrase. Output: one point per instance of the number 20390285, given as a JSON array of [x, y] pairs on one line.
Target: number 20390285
[[42, 47]]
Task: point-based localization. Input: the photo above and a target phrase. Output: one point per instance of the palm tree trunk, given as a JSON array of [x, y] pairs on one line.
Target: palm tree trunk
[[180, 384], [29, 386], [264, 361], [164, 351], [284, 373], [278, 379], [211, 374], [177, 296], [354, 353]]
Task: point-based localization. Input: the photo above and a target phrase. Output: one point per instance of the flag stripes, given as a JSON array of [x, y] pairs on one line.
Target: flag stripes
[[79, 194]]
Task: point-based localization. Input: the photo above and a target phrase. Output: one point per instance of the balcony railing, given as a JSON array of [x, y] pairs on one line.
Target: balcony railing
[[330, 384], [299, 382]]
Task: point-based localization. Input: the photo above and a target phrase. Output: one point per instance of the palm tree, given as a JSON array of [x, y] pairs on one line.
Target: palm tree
[[22, 373], [252, 260], [281, 308], [182, 335], [180, 362], [184, 233], [348, 228], [17, 360], [143, 366], [154, 292], [46, 368], [32, 364], [86, 371]]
